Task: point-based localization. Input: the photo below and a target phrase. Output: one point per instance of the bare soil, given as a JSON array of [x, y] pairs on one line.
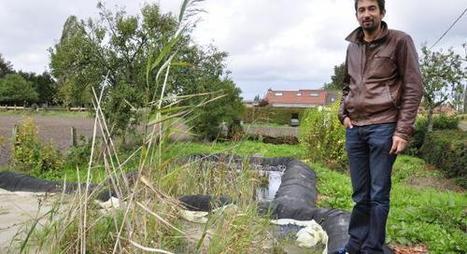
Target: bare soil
[[399, 249], [438, 183], [55, 129], [463, 125], [18, 211]]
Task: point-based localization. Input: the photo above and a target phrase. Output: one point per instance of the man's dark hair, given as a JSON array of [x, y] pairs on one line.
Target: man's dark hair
[[381, 5]]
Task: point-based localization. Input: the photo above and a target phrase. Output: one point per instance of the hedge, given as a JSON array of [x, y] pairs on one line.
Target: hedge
[[440, 122], [447, 150], [271, 115]]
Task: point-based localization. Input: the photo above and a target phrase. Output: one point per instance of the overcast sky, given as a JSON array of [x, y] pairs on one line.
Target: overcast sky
[[278, 44]]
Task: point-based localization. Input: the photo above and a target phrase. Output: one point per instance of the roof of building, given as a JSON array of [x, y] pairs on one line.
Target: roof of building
[[299, 97]]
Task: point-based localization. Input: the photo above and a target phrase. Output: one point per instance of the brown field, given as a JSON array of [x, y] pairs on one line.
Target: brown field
[[56, 129]]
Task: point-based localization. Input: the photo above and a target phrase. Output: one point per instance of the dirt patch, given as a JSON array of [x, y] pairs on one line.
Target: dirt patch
[[18, 210], [463, 125], [399, 249], [438, 183], [55, 129]]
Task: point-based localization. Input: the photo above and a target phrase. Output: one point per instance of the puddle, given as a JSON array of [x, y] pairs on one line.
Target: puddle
[[267, 193]]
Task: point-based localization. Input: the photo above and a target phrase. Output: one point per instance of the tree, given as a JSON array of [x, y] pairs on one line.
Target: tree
[[44, 85], [117, 45], [127, 49], [337, 79], [257, 98], [206, 73], [465, 87], [5, 67], [443, 75], [15, 90]]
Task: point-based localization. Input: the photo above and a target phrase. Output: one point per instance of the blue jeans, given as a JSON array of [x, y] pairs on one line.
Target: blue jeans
[[370, 171]]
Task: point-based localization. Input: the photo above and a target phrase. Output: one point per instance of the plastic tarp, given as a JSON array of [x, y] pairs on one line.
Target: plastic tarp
[[12, 181], [296, 198]]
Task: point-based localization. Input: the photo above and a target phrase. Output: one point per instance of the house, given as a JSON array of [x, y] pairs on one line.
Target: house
[[303, 98]]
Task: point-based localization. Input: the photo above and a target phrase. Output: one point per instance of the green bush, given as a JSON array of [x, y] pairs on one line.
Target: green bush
[[324, 137], [444, 122], [29, 155], [440, 122], [78, 155], [26, 155], [51, 158], [447, 150], [271, 115]]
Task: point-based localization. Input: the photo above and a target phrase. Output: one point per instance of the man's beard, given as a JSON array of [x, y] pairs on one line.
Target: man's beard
[[370, 28]]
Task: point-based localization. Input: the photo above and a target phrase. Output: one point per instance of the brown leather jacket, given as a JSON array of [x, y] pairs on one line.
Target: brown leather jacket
[[383, 83]]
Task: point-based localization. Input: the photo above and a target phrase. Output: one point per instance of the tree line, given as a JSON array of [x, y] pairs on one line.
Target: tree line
[[25, 88], [126, 49]]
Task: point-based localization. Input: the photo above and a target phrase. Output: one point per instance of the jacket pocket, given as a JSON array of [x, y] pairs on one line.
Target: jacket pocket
[[377, 98], [390, 96], [382, 67]]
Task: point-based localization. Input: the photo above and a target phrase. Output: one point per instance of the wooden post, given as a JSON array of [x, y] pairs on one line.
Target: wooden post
[[73, 137], [13, 133]]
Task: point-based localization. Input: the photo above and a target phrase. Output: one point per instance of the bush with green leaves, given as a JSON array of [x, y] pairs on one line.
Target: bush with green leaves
[[29, 155], [447, 150], [324, 136], [440, 122], [15, 90]]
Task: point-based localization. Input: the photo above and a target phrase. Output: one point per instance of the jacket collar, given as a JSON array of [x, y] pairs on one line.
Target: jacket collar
[[357, 35]]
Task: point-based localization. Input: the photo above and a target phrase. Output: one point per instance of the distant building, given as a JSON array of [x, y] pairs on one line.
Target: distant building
[[303, 98]]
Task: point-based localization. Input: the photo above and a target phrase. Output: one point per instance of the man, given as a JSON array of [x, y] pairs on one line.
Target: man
[[381, 94]]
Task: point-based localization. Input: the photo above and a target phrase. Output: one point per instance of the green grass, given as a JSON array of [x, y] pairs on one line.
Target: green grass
[[58, 113], [426, 215], [418, 215], [244, 148]]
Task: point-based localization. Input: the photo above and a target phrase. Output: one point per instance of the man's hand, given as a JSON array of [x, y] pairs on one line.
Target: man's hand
[[398, 145], [348, 123]]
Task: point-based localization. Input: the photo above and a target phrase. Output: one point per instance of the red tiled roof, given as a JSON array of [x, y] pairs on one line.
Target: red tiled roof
[[302, 97]]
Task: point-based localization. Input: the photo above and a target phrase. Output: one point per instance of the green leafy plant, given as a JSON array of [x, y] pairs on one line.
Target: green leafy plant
[[324, 137], [440, 122], [447, 150], [30, 155], [26, 155]]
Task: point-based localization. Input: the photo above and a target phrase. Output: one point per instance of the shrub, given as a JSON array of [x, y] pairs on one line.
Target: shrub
[[79, 155], [444, 122], [440, 122], [51, 158], [29, 155], [324, 136], [447, 150], [26, 155]]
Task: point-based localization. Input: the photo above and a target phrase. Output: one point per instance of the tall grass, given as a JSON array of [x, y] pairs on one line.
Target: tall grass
[[148, 219]]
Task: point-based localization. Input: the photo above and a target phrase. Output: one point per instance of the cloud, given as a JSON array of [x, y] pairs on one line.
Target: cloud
[[277, 44]]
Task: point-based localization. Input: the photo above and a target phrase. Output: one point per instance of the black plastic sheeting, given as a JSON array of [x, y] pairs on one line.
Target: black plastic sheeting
[[296, 197], [12, 181], [204, 203]]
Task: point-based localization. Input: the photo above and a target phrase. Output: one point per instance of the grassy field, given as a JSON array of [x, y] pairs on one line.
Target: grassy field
[[421, 214], [60, 113], [426, 209]]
